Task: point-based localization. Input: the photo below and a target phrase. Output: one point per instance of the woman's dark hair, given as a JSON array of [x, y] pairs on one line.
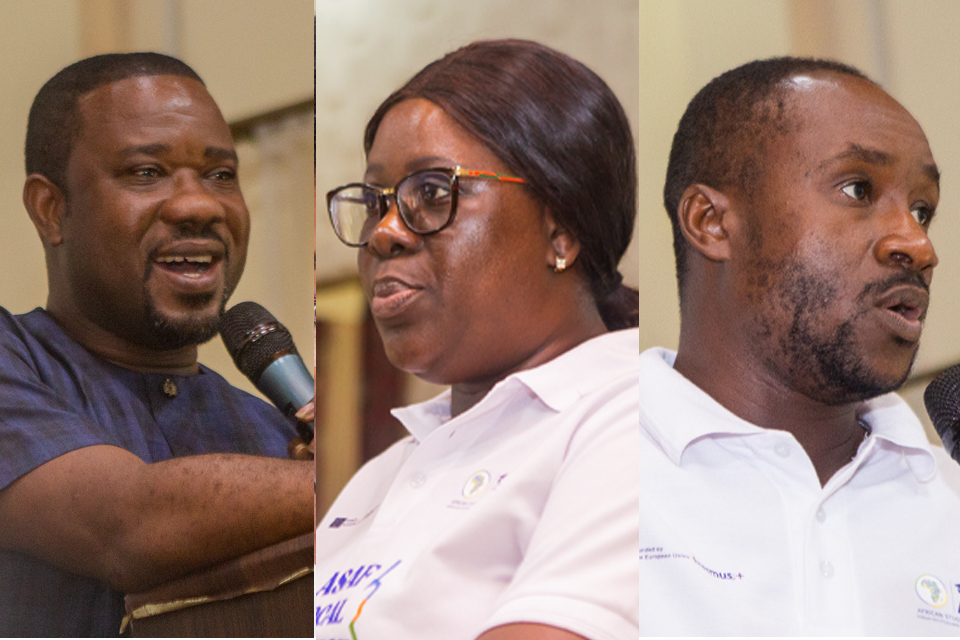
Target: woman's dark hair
[[555, 123]]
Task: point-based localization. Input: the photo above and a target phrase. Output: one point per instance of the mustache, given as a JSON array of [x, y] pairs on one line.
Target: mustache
[[912, 278]]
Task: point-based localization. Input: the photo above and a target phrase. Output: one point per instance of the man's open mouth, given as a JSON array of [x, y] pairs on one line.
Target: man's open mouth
[[189, 266], [909, 312], [904, 307]]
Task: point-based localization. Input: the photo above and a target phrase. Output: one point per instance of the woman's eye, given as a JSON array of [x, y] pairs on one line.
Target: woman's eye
[[859, 191], [432, 192], [371, 204], [922, 215]]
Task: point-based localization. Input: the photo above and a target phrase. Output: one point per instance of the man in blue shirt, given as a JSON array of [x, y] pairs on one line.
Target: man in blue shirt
[[123, 462]]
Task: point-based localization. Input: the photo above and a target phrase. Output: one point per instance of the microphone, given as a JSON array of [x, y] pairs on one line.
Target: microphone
[[263, 350], [942, 399]]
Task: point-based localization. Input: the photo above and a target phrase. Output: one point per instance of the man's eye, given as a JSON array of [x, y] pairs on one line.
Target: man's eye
[[146, 172], [859, 191], [224, 175]]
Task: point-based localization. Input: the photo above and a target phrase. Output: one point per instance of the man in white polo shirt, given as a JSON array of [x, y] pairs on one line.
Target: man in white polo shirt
[[784, 489]]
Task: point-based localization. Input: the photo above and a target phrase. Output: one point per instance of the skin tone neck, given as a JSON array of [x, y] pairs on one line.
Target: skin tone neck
[[581, 323]]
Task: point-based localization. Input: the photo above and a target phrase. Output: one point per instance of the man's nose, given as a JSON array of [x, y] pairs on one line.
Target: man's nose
[[192, 203]]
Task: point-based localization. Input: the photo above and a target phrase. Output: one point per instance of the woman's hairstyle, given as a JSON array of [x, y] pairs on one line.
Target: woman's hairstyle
[[554, 122]]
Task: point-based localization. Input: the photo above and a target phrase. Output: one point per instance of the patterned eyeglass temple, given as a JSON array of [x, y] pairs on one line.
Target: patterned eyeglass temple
[[460, 171]]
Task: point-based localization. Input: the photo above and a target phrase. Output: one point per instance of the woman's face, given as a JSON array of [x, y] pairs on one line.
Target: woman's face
[[470, 303]]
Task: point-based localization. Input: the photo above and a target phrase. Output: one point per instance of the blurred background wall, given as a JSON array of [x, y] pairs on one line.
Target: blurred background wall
[[257, 61], [905, 45], [365, 50]]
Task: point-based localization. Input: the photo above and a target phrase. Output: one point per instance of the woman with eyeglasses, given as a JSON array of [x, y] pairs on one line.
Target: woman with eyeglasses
[[498, 199]]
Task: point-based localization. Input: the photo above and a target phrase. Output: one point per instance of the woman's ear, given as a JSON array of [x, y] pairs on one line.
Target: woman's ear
[[46, 205], [704, 217], [564, 246]]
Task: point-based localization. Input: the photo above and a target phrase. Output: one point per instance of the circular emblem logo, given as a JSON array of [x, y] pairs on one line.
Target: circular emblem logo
[[931, 590], [476, 484]]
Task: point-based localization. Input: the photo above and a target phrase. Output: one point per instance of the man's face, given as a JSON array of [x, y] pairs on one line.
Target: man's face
[[155, 230], [835, 261]]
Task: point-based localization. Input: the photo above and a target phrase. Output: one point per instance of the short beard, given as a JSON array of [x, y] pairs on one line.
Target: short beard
[[840, 373], [172, 333], [196, 328], [824, 363]]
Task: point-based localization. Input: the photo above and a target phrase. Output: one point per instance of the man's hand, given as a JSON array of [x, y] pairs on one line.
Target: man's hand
[[297, 449]]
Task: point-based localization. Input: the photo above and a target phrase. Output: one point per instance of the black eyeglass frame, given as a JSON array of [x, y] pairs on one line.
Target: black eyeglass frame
[[454, 174]]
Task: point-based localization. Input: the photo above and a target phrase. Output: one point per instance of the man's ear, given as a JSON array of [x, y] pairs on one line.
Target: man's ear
[[564, 246], [704, 216], [46, 205]]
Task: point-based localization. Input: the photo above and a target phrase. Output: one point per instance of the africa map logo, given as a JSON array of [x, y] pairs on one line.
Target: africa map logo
[[931, 590]]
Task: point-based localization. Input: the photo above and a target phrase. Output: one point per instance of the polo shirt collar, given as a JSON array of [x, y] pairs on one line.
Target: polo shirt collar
[[690, 414], [559, 383], [891, 419], [675, 411]]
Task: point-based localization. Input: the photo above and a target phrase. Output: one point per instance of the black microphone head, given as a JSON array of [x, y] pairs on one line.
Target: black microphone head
[[254, 338], [942, 399]]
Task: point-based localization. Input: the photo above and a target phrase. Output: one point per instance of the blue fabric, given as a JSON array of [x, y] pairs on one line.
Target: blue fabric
[[56, 397]]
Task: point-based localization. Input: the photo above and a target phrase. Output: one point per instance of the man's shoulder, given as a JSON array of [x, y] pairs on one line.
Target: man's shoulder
[[33, 337], [14, 327]]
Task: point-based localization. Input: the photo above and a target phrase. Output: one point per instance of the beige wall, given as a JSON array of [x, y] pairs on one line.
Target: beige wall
[[254, 56], [36, 40]]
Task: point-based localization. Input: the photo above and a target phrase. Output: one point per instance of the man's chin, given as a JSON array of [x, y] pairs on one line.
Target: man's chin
[[195, 325], [863, 383]]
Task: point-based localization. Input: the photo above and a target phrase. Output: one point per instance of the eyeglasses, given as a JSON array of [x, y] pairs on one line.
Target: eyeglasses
[[426, 201]]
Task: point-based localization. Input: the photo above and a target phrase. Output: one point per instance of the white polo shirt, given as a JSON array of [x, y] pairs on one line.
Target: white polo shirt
[[521, 509], [738, 538]]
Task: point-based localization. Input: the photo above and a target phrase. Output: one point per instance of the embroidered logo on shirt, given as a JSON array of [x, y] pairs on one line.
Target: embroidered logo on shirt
[[476, 485], [931, 590]]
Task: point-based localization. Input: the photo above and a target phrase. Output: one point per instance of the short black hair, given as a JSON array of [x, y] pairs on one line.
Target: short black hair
[[54, 120], [557, 124], [725, 132]]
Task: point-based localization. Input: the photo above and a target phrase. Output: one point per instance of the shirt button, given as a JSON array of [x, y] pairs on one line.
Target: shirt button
[[418, 480], [821, 515], [826, 569], [782, 450]]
